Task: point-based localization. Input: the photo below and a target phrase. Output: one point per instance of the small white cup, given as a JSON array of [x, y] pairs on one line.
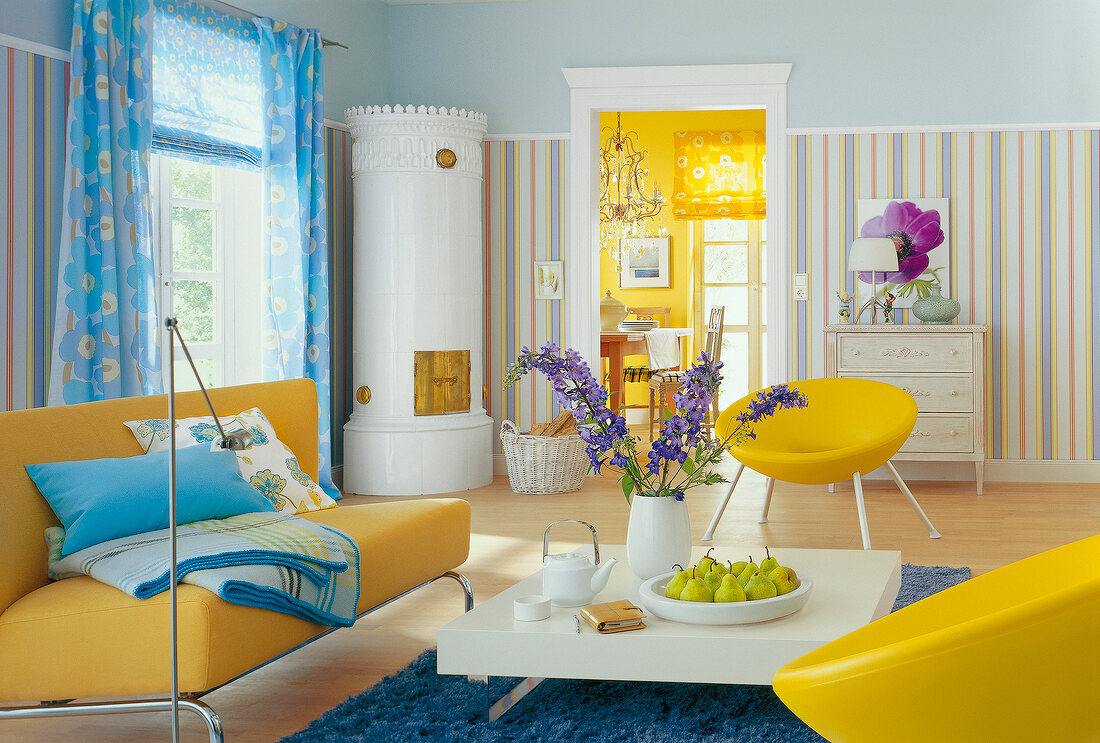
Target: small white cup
[[531, 608]]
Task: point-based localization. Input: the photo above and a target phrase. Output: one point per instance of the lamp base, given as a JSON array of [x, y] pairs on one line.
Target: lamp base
[[874, 303]]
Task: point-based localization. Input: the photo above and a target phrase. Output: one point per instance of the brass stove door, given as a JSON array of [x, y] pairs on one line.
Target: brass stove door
[[441, 382]]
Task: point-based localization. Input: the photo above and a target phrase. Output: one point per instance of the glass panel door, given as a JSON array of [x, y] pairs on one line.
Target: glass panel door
[[731, 273]]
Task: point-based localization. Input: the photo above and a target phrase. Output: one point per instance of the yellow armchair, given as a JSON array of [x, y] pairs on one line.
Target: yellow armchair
[[851, 427], [1008, 656]]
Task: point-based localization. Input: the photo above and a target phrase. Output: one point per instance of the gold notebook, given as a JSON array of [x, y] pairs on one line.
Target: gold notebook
[[614, 616]]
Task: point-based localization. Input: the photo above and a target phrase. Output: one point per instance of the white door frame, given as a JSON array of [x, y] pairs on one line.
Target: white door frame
[[674, 88]]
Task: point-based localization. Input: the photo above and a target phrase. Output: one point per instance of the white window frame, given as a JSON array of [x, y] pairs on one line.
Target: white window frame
[[235, 272]]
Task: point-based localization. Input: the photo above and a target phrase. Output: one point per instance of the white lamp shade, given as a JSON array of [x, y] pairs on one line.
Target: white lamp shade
[[873, 254]]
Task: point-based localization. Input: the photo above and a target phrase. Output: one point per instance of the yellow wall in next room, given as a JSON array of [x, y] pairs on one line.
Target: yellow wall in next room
[[655, 135]]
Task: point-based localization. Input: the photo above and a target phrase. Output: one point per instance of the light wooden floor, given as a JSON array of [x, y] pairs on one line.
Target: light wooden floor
[[1009, 522]]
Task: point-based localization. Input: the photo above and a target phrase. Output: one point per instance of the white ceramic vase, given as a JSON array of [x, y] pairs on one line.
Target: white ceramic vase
[[658, 535]]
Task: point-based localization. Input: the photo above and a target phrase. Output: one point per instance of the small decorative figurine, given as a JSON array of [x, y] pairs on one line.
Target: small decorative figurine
[[845, 310], [887, 307]]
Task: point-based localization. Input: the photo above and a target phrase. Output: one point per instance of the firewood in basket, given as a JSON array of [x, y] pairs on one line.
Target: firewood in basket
[[555, 426]]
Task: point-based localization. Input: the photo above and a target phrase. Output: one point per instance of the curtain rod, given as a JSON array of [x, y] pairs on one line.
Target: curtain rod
[[248, 15]]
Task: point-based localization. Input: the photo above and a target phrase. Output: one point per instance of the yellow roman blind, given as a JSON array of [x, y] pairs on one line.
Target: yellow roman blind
[[719, 175]]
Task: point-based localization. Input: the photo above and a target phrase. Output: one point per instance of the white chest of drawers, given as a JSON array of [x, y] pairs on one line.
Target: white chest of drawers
[[941, 366]]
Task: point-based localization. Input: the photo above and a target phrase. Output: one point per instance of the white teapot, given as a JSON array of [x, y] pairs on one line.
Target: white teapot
[[573, 578]]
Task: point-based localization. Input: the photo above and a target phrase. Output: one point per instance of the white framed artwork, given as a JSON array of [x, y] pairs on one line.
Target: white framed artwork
[[919, 229], [549, 280], [645, 263]]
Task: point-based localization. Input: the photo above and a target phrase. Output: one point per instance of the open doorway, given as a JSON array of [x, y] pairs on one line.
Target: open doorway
[[712, 259], [594, 90]]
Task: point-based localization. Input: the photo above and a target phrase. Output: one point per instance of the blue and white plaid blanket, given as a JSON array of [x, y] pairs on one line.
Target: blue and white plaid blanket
[[273, 561]]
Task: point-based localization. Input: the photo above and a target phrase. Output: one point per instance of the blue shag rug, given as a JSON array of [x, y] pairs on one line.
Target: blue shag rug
[[416, 704]]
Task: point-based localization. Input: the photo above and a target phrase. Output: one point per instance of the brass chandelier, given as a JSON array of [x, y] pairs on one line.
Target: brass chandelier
[[626, 208]]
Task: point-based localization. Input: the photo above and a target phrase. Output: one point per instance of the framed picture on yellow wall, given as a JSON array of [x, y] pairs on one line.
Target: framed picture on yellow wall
[[645, 263]]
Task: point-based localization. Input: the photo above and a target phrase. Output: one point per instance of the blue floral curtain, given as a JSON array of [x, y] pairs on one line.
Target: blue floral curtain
[[105, 329], [206, 85], [295, 262]]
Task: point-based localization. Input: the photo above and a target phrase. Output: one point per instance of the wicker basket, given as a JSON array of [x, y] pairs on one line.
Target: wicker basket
[[543, 464]]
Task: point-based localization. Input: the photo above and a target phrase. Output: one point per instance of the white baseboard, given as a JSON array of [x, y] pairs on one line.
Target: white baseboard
[[996, 470], [999, 470]]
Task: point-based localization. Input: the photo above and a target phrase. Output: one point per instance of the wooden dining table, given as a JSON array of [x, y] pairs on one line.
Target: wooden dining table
[[616, 345]]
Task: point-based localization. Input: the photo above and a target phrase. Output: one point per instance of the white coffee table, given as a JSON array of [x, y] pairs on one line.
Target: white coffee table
[[851, 588]]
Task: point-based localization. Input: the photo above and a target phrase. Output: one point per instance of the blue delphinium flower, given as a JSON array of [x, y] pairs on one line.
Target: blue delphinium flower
[[679, 459]]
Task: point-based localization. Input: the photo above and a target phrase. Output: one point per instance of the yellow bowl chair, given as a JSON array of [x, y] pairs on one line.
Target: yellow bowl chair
[[851, 427], [1011, 655]]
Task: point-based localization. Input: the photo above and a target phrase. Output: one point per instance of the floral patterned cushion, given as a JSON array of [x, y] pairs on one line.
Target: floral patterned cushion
[[268, 465]]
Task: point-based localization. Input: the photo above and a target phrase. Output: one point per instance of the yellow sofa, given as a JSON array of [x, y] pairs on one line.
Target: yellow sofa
[[79, 638]]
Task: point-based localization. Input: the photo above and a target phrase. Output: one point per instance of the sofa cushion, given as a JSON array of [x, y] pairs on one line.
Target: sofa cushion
[[102, 499], [77, 637], [268, 465]]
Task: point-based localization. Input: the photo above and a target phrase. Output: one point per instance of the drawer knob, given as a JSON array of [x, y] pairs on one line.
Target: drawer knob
[[954, 393], [856, 352], [953, 433], [954, 352]]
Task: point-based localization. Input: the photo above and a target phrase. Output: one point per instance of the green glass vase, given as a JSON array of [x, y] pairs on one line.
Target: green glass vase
[[936, 309]]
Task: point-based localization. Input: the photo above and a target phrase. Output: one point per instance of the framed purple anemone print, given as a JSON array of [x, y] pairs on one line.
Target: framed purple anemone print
[[919, 229]]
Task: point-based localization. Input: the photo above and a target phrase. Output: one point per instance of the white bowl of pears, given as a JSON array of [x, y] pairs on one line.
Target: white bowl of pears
[[716, 592]]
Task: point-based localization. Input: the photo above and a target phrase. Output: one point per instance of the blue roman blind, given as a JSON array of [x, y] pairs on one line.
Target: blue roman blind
[[207, 101]]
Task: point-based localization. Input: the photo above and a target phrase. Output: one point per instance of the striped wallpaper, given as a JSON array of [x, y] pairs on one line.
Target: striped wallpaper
[[338, 180], [1023, 207], [525, 221], [1023, 254], [32, 130]]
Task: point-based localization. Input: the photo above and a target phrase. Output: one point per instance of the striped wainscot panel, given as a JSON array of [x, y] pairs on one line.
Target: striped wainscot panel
[[525, 221], [1024, 235], [32, 131], [338, 180]]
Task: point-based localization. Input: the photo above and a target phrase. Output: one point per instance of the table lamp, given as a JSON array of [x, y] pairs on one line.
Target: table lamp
[[877, 255]]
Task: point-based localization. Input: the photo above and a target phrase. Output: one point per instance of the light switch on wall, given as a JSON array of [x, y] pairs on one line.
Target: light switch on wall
[[801, 288]]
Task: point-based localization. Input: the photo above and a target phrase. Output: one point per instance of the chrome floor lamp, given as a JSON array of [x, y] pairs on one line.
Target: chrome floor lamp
[[236, 441]]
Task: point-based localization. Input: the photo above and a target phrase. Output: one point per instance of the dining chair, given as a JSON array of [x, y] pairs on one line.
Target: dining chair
[[663, 384]]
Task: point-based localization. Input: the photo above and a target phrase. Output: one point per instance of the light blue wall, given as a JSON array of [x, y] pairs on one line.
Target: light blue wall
[[352, 76], [856, 62]]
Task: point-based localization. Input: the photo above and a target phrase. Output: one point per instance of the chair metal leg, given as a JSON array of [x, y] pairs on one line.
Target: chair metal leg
[[767, 501], [722, 506], [862, 510], [932, 533], [213, 724]]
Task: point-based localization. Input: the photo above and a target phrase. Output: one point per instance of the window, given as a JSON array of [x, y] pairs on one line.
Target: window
[[729, 270], [207, 226]]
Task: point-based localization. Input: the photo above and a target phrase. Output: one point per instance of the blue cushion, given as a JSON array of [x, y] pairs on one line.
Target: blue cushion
[[102, 499]]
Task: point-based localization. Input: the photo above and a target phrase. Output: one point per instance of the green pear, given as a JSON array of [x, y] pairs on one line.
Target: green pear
[[719, 568], [676, 586], [736, 568], [697, 590], [746, 573], [785, 580], [704, 565], [713, 579], [759, 587], [729, 590], [769, 563]]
